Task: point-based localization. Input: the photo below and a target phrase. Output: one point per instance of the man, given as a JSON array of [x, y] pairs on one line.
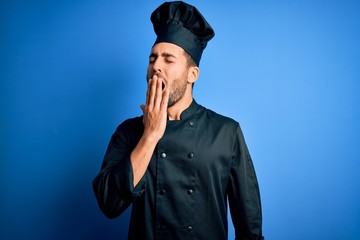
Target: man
[[179, 164]]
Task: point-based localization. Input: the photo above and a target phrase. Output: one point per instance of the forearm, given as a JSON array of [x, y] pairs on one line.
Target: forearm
[[113, 189], [154, 120], [140, 158], [244, 194]]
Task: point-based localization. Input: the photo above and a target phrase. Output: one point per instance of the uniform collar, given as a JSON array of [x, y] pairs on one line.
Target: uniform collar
[[189, 112]]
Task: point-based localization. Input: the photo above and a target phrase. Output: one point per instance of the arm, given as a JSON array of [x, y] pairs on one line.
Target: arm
[[244, 195], [154, 119], [113, 185], [124, 164]]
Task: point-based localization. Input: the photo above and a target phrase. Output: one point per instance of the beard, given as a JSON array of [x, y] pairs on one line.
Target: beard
[[177, 91]]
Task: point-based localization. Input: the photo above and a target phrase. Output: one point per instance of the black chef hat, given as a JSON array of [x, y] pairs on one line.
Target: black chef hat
[[182, 24]]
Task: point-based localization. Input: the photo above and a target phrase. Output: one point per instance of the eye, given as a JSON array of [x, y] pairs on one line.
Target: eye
[[151, 60], [169, 60]]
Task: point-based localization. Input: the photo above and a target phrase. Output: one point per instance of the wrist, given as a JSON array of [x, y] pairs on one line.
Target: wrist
[[149, 139]]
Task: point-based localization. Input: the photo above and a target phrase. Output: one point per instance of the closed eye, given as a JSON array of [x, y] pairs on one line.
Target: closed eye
[[169, 60], [168, 57], [152, 58]]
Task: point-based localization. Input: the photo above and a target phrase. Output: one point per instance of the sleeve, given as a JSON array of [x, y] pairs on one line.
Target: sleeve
[[243, 192], [113, 186]]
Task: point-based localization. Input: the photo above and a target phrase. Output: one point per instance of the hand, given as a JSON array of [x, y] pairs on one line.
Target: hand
[[155, 109]]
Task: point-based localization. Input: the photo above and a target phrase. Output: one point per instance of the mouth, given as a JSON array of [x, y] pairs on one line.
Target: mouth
[[159, 75]]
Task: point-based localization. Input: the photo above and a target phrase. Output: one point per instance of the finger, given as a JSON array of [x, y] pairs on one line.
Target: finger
[[142, 106], [152, 91], [165, 99], [148, 92], [158, 95]]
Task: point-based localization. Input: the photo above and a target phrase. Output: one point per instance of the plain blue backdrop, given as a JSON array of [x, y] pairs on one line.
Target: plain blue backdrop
[[288, 71]]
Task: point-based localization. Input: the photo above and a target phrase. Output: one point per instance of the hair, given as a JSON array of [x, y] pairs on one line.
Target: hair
[[190, 62]]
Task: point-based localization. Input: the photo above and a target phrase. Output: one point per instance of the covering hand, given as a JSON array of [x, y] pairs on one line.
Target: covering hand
[[155, 109]]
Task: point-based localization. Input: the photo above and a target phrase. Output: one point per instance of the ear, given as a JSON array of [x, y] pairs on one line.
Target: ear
[[193, 74]]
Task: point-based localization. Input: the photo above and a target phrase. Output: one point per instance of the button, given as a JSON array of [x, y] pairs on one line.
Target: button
[[160, 227], [190, 155], [162, 191], [190, 191], [163, 155], [189, 228], [191, 123]]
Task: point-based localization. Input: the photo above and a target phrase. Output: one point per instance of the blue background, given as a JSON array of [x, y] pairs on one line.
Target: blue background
[[288, 71]]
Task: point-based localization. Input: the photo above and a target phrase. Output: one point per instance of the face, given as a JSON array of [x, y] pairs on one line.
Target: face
[[168, 62]]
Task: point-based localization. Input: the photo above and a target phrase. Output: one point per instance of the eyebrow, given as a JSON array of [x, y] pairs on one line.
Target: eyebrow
[[165, 54]]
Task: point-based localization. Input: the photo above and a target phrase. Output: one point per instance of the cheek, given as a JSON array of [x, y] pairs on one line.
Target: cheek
[[148, 73], [176, 72]]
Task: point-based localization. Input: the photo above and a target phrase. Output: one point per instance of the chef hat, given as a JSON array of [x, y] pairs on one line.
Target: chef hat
[[183, 25]]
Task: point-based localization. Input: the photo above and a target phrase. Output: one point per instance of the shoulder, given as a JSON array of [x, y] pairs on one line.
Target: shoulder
[[131, 122], [130, 128], [217, 118]]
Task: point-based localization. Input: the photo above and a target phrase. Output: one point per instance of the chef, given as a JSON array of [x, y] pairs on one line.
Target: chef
[[180, 165]]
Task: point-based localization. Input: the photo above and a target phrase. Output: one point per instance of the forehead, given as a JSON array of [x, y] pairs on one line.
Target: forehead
[[161, 48]]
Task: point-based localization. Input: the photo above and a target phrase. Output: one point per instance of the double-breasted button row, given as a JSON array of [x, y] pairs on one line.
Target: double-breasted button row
[[162, 227], [189, 191], [163, 155]]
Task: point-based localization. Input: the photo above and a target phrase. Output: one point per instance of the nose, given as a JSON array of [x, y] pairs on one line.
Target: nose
[[157, 66]]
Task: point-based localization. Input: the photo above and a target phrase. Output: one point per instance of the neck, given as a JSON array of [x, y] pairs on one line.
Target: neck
[[174, 112]]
